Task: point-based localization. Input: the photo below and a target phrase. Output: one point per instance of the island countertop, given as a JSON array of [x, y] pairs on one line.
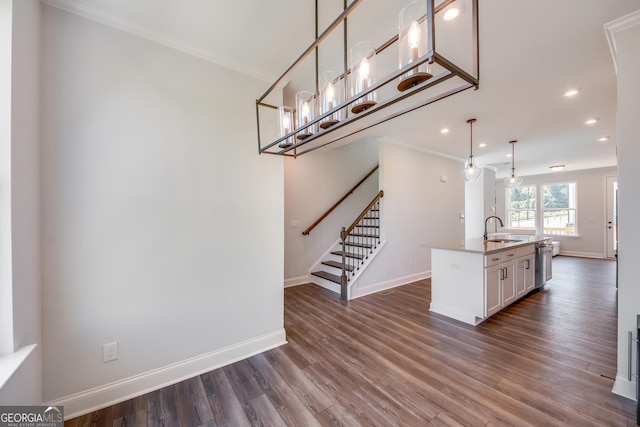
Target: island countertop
[[479, 245]]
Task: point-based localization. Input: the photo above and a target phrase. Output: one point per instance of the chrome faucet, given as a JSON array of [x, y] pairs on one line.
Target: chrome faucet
[[485, 224]]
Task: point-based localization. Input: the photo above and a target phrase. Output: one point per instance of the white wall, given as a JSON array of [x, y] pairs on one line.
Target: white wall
[[162, 227], [417, 209], [627, 38], [313, 183], [591, 218], [25, 386], [479, 204], [6, 288]]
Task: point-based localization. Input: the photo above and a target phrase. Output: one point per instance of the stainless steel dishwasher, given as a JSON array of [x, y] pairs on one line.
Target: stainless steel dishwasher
[[543, 262]]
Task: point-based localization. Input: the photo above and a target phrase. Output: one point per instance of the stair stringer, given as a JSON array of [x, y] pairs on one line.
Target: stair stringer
[[334, 287]]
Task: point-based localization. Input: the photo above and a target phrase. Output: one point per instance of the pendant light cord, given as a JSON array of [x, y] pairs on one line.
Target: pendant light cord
[[471, 122], [513, 158]]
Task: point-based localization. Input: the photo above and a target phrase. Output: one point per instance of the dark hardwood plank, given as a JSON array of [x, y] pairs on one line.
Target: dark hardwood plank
[[226, 407], [193, 405], [384, 359]]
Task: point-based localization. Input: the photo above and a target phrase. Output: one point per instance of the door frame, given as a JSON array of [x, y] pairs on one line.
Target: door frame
[[610, 198]]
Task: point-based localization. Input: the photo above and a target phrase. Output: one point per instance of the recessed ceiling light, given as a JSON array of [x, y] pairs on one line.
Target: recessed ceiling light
[[509, 155], [590, 121], [444, 130], [571, 92], [603, 139], [482, 144], [556, 167]]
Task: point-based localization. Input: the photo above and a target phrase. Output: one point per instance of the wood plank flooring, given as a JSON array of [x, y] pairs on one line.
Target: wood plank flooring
[[385, 360]]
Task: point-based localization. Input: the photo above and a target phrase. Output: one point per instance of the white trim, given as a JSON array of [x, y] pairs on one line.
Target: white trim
[[109, 394], [296, 281], [105, 18], [354, 279], [616, 26], [317, 265], [625, 388], [357, 292], [583, 254], [392, 141], [9, 363]]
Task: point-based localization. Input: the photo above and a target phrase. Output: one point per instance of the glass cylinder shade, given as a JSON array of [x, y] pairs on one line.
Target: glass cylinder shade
[[412, 39], [331, 95], [305, 112], [285, 119], [363, 75]]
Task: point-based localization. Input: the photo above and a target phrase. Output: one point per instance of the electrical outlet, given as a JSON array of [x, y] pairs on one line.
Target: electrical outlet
[[411, 262], [109, 352]]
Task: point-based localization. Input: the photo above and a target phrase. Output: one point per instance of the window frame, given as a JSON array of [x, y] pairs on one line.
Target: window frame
[[539, 210], [568, 209], [509, 210]]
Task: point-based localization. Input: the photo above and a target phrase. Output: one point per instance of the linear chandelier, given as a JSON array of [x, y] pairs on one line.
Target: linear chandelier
[[356, 98]]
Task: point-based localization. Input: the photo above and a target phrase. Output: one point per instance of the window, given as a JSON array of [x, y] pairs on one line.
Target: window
[[559, 208], [521, 207]]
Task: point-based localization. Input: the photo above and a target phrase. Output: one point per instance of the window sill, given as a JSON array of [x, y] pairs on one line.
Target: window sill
[[9, 363]]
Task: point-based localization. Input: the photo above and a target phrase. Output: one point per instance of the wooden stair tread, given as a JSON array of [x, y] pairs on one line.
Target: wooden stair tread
[[348, 254], [337, 264], [364, 235], [327, 276], [360, 245], [367, 226]]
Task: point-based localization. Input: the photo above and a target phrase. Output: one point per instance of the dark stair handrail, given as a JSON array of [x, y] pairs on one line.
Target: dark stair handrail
[[336, 204]]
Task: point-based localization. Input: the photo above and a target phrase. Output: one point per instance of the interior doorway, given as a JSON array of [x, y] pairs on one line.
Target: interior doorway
[[612, 216]]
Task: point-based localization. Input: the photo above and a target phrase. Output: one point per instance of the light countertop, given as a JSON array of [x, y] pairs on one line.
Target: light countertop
[[479, 245]]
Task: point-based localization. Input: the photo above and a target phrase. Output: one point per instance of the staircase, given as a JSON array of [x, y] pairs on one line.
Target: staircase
[[357, 244]]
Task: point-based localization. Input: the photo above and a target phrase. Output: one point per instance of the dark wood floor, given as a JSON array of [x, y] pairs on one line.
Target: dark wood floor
[[385, 360]]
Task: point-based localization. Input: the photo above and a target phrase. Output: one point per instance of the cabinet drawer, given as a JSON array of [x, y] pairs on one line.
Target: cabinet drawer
[[492, 259], [508, 255], [525, 250]]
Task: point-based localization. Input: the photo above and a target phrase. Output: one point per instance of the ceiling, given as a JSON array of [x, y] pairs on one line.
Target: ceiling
[[531, 52]]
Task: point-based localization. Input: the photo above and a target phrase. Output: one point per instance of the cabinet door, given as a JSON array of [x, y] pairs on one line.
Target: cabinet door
[[549, 262], [529, 272], [525, 276], [521, 273], [508, 282], [492, 283]]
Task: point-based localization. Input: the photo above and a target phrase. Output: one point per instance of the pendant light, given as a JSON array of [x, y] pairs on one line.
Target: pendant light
[[514, 181], [471, 170]]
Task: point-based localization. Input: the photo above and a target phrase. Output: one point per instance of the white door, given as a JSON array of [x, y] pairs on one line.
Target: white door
[[612, 216]]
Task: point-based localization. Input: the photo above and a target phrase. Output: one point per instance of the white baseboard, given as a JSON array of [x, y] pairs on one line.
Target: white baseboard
[[382, 286], [109, 394], [582, 254], [625, 388], [296, 281]]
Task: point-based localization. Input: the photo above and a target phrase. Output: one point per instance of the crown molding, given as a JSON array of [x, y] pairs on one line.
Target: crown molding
[[86, 11], [616, 26], [392, 141]]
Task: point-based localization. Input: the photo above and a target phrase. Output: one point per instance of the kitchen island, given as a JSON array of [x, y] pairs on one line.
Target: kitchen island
[[473, 279]]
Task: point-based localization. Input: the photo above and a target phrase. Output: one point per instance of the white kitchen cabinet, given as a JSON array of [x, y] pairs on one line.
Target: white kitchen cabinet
[[508, 277], [493, 289], [525, 270], [473, 279], [499, 281]]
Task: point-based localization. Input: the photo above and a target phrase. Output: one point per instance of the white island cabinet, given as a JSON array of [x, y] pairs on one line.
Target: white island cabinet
[[473, 279]]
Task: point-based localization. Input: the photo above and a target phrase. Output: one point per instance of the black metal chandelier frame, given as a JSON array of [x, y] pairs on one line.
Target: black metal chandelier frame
[[328, 136]]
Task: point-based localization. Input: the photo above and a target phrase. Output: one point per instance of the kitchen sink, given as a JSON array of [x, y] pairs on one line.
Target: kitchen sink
[[502, 240]]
